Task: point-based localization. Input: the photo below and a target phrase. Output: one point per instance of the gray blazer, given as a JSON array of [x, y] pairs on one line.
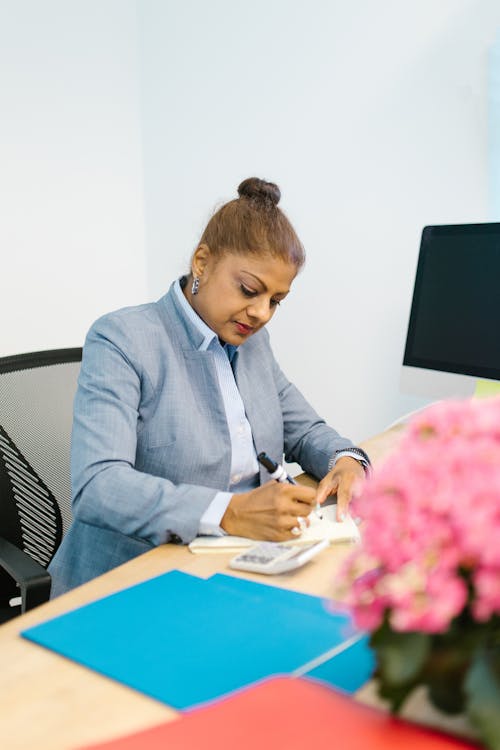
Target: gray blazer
[[151, 446]]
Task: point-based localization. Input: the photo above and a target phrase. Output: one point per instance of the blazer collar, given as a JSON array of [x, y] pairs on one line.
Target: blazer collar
[[177, 322], [191, 330]]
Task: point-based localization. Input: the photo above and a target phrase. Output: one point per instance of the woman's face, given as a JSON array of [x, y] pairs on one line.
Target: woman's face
[[239, 294]]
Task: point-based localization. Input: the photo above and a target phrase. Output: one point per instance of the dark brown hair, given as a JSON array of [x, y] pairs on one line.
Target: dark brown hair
[[253, 223]]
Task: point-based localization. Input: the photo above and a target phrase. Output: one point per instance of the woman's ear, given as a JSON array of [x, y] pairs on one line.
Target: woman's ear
[[201, 258]]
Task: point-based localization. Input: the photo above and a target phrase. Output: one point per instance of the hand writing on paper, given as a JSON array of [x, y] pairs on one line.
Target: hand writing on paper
[[269, 512], [345, 480]]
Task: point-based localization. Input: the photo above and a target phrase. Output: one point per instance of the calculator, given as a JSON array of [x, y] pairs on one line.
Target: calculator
[[273, 558]]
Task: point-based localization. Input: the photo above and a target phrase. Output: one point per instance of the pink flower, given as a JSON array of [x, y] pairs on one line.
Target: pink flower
[[487, 593], [431, 517]]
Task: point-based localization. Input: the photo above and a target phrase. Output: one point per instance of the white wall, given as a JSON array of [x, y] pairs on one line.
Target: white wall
[[371, 116], [71, 201], [494, 128]]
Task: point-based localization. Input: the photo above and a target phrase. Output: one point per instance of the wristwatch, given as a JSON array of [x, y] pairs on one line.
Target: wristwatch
[[354, 452]]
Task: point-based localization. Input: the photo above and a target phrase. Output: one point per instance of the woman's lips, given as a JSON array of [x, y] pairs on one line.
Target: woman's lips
[[242, 328]]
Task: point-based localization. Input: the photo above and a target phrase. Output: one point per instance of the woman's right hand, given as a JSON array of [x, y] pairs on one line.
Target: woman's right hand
[[269, 512]]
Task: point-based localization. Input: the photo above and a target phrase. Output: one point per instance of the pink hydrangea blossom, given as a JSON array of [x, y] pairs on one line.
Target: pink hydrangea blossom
[[431, 523]]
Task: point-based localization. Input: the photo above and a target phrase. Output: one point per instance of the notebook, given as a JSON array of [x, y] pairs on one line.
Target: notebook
[[326, 527]]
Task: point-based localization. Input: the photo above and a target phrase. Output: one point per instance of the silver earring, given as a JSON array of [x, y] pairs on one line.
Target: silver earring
[[196, 285]]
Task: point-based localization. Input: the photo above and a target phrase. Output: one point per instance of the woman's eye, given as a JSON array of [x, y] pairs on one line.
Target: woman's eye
[[251, 293], [247, 292]]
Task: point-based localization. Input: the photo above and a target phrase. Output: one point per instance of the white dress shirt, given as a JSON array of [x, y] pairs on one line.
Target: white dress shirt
[[244, 465]]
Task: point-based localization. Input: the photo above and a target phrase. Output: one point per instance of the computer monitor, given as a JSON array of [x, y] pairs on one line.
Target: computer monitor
[[453, 333]]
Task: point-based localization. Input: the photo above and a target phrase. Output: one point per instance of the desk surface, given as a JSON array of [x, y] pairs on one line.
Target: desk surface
[[50, 703]]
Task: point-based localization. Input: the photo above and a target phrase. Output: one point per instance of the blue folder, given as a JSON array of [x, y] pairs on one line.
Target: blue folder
[[349, 669], [291, 599], [353, 662], [185, 641]]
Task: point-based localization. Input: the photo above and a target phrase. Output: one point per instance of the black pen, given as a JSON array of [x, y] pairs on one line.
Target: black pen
[[275, 470]]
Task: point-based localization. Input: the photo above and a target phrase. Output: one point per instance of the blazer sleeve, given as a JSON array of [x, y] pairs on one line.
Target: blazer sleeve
[[308, 440], [107, 490]]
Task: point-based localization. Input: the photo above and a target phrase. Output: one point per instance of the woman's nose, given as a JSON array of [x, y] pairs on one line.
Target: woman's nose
[[259, 309]]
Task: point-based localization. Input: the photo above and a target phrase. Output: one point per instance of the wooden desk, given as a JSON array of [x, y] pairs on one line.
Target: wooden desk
[[50, 703]]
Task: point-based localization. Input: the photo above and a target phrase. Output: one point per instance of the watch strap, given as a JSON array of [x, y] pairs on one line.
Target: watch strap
[[354, 452]]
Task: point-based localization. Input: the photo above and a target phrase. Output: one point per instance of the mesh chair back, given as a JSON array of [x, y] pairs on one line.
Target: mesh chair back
[[36, 405]]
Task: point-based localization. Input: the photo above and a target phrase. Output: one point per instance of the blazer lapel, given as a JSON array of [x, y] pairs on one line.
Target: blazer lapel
[[200, 365]]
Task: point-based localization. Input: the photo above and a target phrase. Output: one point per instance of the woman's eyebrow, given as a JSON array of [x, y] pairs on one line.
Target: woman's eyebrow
[[257, 279], [262, 284]]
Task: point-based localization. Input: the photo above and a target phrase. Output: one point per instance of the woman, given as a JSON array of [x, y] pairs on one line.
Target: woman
[[177, 398]]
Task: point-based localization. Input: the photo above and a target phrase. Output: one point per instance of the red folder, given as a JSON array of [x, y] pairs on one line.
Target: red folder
[[290, 713]]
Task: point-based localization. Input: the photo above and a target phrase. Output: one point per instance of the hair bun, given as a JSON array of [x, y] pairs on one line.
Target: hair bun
[[260, 191]]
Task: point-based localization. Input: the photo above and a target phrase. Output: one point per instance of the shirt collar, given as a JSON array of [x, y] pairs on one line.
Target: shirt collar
[[210, 338]]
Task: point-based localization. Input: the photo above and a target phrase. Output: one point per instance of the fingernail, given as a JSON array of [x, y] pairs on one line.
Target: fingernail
[[342, 516]]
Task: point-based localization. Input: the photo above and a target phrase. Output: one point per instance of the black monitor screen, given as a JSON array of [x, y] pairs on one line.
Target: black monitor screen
[[455, 315]]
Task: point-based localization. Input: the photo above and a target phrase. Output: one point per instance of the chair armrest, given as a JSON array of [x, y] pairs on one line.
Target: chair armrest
[[33, 580]]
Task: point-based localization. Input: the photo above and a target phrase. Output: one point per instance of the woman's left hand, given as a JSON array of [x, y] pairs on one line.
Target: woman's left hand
[[345, 479]]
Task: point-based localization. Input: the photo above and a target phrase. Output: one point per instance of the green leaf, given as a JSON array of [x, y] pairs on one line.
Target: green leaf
[[482, 688], [445, 671], [395, 694], [401, 656], [446, 694]]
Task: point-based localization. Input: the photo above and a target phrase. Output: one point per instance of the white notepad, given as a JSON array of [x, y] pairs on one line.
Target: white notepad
[[321, 528]]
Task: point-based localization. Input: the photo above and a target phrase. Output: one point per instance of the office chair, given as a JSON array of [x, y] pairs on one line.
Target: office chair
[[36, 406]]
